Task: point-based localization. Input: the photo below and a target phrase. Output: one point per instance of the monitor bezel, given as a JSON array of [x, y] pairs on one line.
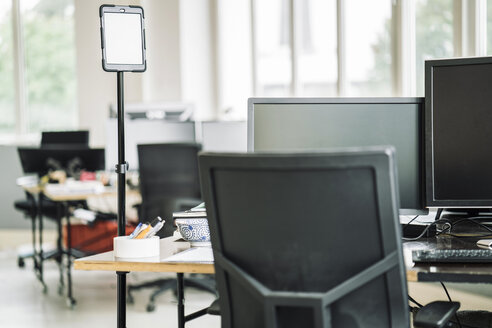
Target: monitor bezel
[[428, 126], [352, 100]]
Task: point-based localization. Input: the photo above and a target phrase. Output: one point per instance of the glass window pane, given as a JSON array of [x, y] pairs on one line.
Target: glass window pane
[[489, 27], [273, 58], [434, 34], [368, 46], [7, 84], [317, 30], [49, 45]]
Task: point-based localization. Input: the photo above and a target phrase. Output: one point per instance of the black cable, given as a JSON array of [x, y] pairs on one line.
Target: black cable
[[427, 228], [449, 298], [414, 301]]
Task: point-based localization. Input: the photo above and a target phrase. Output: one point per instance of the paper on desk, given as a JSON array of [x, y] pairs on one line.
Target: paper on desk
[[194, 254]]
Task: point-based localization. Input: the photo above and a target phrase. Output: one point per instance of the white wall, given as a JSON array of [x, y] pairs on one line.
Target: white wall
[[198, 47], [162, 80]]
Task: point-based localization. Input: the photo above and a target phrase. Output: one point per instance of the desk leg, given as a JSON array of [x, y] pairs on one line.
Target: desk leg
[[41, 256], [70, 300], [181, 309], [121, 299], [59, 247]]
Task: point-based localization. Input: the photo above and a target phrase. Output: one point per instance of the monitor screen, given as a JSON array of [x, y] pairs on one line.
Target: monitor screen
[[458, 132], [296, 124]]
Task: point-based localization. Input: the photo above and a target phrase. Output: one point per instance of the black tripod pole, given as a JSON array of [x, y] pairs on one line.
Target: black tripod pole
[[121, 168]]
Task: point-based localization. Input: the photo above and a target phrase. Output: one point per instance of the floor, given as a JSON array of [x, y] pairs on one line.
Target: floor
[[22, 303]]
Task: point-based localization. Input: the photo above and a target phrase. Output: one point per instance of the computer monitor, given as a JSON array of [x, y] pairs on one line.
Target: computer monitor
[[41, 160], [458, 133], [141, 132], [223, 136], [300, 124]]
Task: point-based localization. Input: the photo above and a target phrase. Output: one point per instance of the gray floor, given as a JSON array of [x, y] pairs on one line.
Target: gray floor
[[22, 303]]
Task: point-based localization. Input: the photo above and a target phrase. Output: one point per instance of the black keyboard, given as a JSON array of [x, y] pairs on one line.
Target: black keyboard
[[452, 256]]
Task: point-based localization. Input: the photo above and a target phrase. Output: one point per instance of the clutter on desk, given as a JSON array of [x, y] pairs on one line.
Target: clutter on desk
[[193, 225], [73, 187], [126, 247], [142, 242], [147, 230]]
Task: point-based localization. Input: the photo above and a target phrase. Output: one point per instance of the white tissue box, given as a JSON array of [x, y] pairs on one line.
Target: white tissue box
[[136, 248]]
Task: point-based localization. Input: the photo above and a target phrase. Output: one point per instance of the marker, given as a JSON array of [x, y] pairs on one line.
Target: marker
[[143, 232], [156, 228]]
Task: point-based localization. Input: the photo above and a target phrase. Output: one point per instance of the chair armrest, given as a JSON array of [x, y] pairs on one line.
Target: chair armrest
[[436, 314]]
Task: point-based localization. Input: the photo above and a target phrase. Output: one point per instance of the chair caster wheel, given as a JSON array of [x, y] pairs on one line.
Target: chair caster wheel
[[20, 262], [150, 307], [71, 303]]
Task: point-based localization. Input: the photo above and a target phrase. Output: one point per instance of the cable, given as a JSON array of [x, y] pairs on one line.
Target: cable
[[414, 301], [449, 298], [446, 221]]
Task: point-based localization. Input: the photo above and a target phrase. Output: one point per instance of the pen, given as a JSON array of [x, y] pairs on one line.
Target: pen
[[136, 231]]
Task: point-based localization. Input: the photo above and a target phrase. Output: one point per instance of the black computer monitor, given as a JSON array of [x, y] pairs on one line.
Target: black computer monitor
[[41, 160], [458, 132], [300, 124]]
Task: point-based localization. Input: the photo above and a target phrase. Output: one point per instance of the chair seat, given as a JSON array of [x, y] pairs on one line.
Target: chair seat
[[27, 206]]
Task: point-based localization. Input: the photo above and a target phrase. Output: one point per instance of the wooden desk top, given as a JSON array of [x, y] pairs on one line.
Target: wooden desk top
[[169, 246], [108, 191], [471, 273]]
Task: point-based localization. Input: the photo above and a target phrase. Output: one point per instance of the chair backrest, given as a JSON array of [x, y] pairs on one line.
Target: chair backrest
[[53, 139], [168, 176], [306, 240]]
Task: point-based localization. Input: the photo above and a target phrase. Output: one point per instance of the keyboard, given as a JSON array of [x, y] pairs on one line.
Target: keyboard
[[452, 256]]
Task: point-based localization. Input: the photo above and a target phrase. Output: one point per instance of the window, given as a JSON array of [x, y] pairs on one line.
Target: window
[[317, 47], [37, 66], [273, 48], [368, 39], [326, 48], [7, 85], [433, 34], [49, 50]]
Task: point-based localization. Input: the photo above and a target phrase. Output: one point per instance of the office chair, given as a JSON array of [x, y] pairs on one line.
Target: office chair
[[64, 139], [169, 182], [308, 240]]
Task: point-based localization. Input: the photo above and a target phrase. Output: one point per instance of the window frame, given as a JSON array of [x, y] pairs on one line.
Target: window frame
[[469, 39]]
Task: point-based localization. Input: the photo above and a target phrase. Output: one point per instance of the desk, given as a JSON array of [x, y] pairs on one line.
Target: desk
[[168, 246], [62, 200], [469, 273], [446, 272]]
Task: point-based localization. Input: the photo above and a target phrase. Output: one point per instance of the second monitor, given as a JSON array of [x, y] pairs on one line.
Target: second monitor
[[294, 124]]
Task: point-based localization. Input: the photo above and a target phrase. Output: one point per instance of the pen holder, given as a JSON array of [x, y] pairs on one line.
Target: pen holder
[[136, 248]]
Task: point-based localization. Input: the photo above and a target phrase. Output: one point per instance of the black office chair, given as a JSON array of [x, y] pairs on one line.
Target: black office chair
[[308, 240], [64, 139], [169, 182]]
